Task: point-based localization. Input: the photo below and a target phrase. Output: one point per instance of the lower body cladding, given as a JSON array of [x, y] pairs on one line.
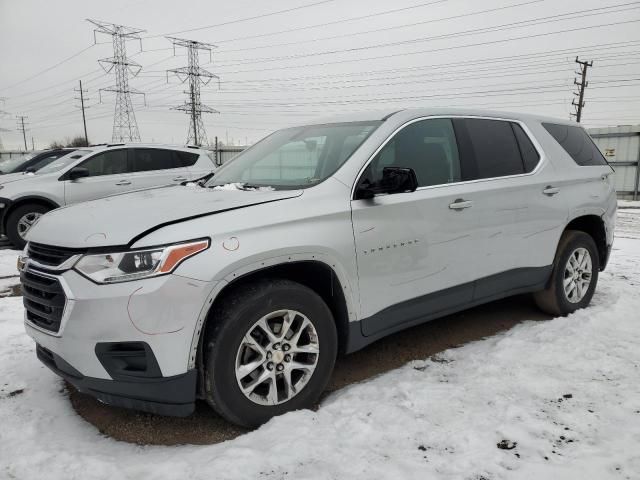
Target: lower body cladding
[[127, 344]]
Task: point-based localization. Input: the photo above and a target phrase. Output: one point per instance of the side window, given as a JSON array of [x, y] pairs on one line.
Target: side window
[[146, 159], [489, 148], [428, 147], [185, 159], [111, 162], [530, 155], [577, 143]]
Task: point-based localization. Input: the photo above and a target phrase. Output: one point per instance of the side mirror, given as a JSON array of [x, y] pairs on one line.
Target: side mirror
[[78, 172], [394, 180], [31, 169]]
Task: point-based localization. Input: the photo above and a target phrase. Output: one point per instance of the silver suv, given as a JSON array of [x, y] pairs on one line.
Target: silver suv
[[91, 173], [316, 241]]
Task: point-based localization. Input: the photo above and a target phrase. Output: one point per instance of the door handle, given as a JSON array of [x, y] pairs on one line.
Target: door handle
[[460, 204], [180, 179], [123, 182], [550, 191]]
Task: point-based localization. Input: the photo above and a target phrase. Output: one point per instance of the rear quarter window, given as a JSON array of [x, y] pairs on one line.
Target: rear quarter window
[[186, 159], [577, 143]]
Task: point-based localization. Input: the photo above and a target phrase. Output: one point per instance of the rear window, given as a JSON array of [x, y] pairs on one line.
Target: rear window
[[185, 159], [577, 143]]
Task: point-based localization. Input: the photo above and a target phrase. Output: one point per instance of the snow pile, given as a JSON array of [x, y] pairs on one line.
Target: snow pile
[[628, 204], [551, 399], [241, 186]]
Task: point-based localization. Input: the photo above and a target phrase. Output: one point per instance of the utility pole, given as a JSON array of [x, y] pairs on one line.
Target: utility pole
[[196, 76], [84, 119], [582, 85], [23, 129], [33, 144], [125, 127], [2, 114]]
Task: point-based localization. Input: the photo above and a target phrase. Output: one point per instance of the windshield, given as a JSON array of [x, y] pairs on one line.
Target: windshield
[[63, 161], [8, 166], [297, 157]]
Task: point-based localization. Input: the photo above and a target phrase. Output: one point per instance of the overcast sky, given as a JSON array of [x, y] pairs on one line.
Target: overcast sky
[[300, 59]]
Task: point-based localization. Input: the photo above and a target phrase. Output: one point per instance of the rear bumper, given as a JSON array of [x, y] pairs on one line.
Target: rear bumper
[[173, 396]]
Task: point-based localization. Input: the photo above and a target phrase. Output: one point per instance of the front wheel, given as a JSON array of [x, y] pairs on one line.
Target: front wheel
[[21, 220], [271, 350], [574, 276]]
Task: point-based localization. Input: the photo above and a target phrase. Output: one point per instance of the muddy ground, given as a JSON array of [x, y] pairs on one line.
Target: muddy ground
[[205, 427]]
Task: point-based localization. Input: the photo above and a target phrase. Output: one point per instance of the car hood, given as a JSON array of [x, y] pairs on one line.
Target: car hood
[[14, 177], [119, 219]]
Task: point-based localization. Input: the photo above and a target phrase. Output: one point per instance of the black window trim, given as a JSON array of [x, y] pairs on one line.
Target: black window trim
[[131, 154], [541, 162]]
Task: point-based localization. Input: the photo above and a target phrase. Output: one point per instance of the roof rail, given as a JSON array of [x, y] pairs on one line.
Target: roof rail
[[195, 147], [115, 144]]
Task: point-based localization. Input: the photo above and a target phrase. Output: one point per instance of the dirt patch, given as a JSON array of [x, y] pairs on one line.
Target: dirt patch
[[418, 343]]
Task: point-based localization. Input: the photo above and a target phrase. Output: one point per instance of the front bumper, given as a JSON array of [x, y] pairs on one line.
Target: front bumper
[[158, 313], [172, 396]]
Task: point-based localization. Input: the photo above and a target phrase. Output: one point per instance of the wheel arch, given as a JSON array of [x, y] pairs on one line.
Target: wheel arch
[[594, 226], [322, 277], [36, 199]]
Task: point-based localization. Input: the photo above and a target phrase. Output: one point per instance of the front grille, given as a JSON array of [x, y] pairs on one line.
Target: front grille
[[43, 299], [50, 255]]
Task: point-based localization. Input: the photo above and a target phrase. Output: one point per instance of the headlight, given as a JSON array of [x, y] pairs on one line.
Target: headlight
[[136, 264]]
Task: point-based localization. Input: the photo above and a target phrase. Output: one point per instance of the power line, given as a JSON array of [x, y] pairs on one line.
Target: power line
[[492, 29], [37, 74], [385, 29], [335, 22], [245, 19], [440, 49]]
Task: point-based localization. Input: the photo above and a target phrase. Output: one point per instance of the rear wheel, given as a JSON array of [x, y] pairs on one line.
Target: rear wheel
[[21, 220], [574, 276], [272, 350]]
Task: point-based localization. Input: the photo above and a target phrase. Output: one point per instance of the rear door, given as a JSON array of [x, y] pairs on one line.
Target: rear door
[[109, 173], [153, 167], [585, 177], [518, 215]]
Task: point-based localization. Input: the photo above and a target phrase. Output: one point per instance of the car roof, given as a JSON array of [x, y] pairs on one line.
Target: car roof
[[107, 146], [378, 115]]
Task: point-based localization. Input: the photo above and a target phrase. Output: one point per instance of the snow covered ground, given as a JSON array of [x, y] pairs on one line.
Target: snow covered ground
[[564, 393]]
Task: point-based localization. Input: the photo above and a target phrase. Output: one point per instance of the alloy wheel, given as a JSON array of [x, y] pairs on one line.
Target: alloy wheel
[[277, 357], [26, 222], [577, 275]]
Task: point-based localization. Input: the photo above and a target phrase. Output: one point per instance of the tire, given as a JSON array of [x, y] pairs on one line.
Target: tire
[[554, 300], [13, 222], [226, 346]]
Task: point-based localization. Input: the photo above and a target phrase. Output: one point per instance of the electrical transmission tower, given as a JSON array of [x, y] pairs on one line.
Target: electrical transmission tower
[[22, 128], [125, 127], [582, 85], [196, 76]]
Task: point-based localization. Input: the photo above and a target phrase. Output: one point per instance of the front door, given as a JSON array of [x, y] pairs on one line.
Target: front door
[[411, 245], [108, 174]]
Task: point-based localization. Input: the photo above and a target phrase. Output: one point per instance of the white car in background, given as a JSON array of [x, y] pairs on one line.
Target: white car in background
[[91, 173]]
